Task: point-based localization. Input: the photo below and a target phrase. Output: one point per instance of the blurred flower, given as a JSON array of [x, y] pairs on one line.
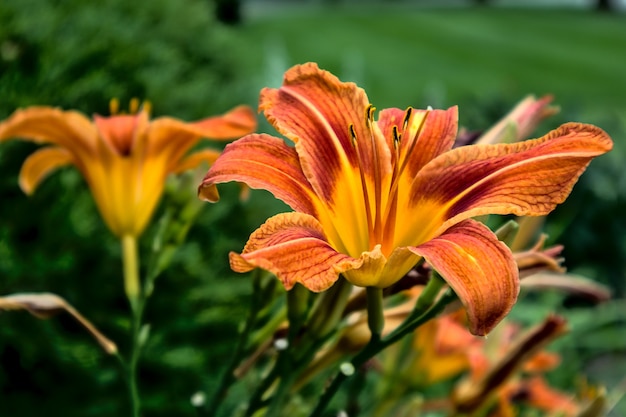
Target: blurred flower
[[508, 369], [124, 158], [501, 372], [520, 123], [372, 197]]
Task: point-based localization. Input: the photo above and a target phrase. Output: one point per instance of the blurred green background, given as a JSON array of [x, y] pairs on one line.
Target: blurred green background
[[194, 58]]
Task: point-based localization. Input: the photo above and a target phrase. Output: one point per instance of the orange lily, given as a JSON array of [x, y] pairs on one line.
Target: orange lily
[[124, 158], [372, 197]]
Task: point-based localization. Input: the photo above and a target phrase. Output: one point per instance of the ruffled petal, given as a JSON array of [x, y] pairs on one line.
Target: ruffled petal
[[264, 162], [331, 124], [526, 178], [40, 164], [479, 268], [293, 247]]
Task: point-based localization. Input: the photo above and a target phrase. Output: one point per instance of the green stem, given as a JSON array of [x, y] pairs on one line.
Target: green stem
[[267, 331], [131, 285], [131, 270], [297, 306], [329, 310], [256, 401], [229, 376], [375, 316], [376, 346], [282, 392]]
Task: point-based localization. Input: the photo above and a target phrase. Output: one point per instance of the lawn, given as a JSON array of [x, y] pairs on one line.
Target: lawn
[[440, 57]]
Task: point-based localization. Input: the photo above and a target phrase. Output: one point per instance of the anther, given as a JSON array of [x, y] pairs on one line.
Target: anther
[[407, 117], [134, 105], [146, 107], [396, 137], [352, 134], [369, 114], [114, 106]]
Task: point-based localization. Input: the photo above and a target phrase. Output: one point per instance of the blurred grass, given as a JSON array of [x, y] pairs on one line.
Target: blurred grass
[[420, 56], [483, 59]]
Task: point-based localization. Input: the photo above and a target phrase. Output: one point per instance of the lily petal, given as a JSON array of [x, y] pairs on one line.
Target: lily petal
[[526, 178], [317, 111], [207, 156], [293, 247], [169, 139], [120, 132], [265, 162], [476, 265], [67, 129], [423, 143], [40, 164], [237, 122]]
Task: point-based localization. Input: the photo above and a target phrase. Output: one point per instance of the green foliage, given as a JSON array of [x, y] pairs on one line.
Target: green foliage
[[77, 54]]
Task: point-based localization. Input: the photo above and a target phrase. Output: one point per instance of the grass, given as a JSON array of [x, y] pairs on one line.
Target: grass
[[421, 56]]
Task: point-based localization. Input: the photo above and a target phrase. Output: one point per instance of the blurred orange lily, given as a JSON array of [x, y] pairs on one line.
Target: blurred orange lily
[[372, 197], [508, 368], [124, 158]]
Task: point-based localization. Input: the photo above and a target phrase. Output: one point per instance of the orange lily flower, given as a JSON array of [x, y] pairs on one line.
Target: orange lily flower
[[124, 158], [372, 197]]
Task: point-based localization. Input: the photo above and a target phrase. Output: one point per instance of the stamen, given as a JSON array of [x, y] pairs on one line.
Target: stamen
[[134, 105], [352, 134], [146, 106], [407, 117], [390, 210], [368, 212], [114, 106], [369, 114], [396, 137], [415, 138], [377, 175]]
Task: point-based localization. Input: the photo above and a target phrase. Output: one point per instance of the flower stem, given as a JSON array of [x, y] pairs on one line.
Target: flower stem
[[131, 270], [228, 377], [329, 310], [131, 285], [375, 316], [377, 345]]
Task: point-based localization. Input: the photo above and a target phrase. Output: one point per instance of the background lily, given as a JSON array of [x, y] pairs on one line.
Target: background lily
[[124, 158], [373, 197]]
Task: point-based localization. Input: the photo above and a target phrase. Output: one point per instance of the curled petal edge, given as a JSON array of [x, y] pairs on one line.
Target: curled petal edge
[[479, 268]]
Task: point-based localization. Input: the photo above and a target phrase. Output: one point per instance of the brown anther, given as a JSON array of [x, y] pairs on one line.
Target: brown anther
[[407, 117], [352, 134], [114, 106], [396, 137]]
